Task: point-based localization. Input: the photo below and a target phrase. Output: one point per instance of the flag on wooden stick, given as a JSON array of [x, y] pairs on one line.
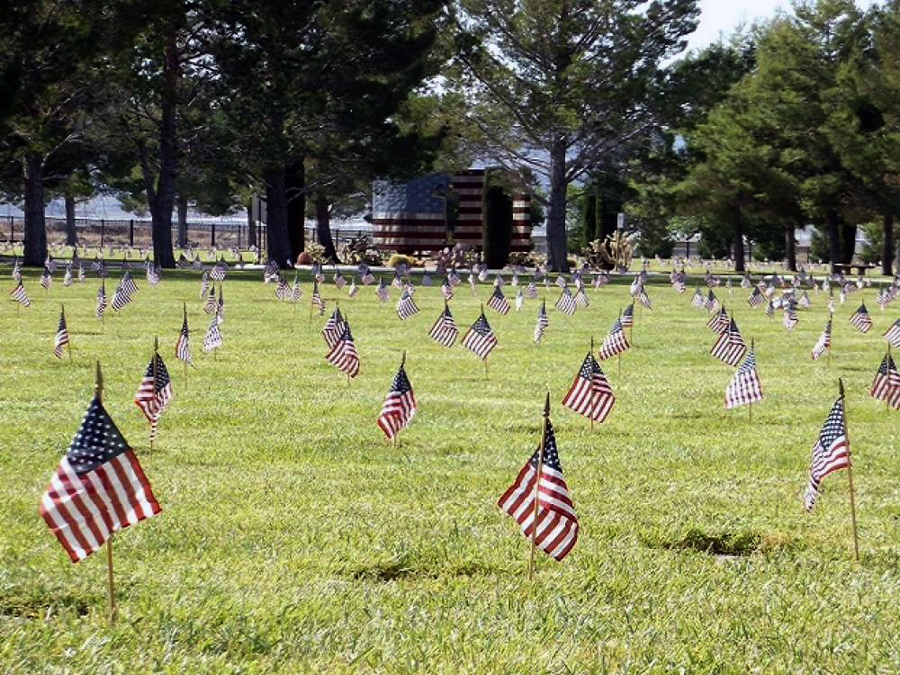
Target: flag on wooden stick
[[590, 394], [62, 336], [823, 343], [615, 342], [886, 385], [498, 301], [480, 338], [730, 345], [182, 346], [892, 334], [154, 392], [399, 405], [744, 387], [542, 322], [444, 330], [830, 452], [861, 320], [343, 354], [19, 295]]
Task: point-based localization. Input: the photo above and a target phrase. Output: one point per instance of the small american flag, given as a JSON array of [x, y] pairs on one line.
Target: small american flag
[[514, 280], [730, 346], [318, 277], [338, 280], [153, 273], [697, 299], [590, 394], [399, 405], [45, 278], [566, 303], [154, 393], [295, 291], [557, 525], [447, 289], [182, 346], [643, 298], [830, 452], [343, 354], [756, 298], [744, 386], [789, 319], [531, 290], [498, 280], [861, 320], [19, 295], [483, 274], [628, 316], [282, 291], [98, 488], [219, 269], [804, 300], [615, 342], [333, 328], [560, 281], [426, 279], [397, 281], [520, 299], [127, 283], [444, 330], [480, 338], [498, 301], [17, 271], [204, 284], [542, 322], [213, 338], [892, 334], [381, 291], [120, 297], [317, 299], [210, 305], [62, 336], [368, 278], [406, 306], [67, 277], [353, 288], [823, 343], [886, 385], [454, 278], [745, 281], [581, 298], [719, 322], [600, 279], [101, 300], [711, 303], [220, 305]]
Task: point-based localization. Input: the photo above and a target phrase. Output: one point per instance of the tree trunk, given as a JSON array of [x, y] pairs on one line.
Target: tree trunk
[[790, 247], [71, 234], [294, 182], [35, 226], [161, 211], [834, 238], [251, 225], [738, 223], [589, 216], [848, 243], [323, 227], [278, 240], [556, 218], [182, 206], [887, 250]]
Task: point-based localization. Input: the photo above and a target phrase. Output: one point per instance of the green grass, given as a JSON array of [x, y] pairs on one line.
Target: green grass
[[294, 538]]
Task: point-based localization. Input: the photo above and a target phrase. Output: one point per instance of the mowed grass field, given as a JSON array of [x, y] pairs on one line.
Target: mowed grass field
[[294, 538]]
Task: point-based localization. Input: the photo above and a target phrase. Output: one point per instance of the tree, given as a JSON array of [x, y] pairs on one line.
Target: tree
[[49, 49], [556, 85], [294, 73]]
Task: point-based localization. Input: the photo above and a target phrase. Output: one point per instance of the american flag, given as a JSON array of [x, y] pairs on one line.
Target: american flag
[[719, 322], [411, 215], [628, 316], [729, 346], [531, 290], [789, 319], [498, 280], [480, 338], [542, 322], [317, 298], [472, 283], [697, 299], [98, 488], [447, 289], [426, 279], [381, 291], [397, 281], [756, 298], [861, 319], [454, 278], [444, 330], [45, 278], [213, 338], [823, 343], [210, 305], [560, 281], [120, 297], [127, 283], [271, 271], [182, 346], [338, 279], [556, 528], [294, 292], [581, 298], [770, 309], [590, 394], [615, 342], [17, 271], [892, 334], [153, 273], [220, 305], [643, 298], [830, 305], [483, 273], [520, 299], [829, 453], [353, 288], [154, 392], [711, 303], [804, 300], [514, 280], [886, 385], [67, 277], [19, 295], [635, 285], [744, 386], [204, 284], [399, 405], [282, 291], [343, 353], [745, 281], [498, 301], [318, 277], [333, 328], [62, 336], [600, 279], [406, 306], [101, 300], [368, 278], [218, 270], [566, 303]]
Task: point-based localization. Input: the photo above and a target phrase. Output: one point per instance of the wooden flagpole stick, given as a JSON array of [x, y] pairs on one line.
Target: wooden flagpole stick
[[887, 399], [591, 416], [750, 406], [69, 342], [184, 307], [831, 338], [537, 484], [849, 472], [394, 437], [110, 585], [153, 361], [619, 359]]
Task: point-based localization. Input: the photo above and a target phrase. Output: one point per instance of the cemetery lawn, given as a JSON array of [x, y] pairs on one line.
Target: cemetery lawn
[[294, 538]]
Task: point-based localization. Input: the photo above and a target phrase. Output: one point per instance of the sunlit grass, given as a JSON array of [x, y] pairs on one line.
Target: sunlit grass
[[294, 537]]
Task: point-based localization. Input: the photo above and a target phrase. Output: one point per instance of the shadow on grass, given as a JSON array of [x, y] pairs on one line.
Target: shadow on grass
[[38, 605], [393, 570], [732, 544]]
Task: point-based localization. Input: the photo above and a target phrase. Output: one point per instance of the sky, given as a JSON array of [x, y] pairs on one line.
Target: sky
[[721, 17]]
